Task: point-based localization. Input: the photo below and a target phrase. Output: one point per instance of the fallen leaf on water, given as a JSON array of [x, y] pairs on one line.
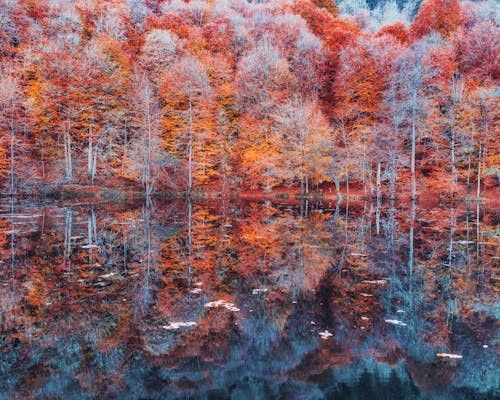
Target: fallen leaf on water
[[222, 303], [395, 322], [176, 325], [325, 334], [376, 282], [447, 355]]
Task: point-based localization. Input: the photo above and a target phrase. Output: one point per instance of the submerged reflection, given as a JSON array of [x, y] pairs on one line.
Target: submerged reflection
[[250, 300]]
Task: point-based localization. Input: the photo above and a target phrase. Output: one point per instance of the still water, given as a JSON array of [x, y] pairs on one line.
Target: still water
[[249, 301]]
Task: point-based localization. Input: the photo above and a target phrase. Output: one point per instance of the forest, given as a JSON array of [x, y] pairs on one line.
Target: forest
[[227, 96]]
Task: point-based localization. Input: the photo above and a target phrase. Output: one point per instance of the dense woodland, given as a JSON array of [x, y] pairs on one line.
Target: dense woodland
[[231, 95]]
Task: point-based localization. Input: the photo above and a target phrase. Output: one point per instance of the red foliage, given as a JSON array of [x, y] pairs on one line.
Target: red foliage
[[318, 20], [398, 31], [172, 22], [442, 16]]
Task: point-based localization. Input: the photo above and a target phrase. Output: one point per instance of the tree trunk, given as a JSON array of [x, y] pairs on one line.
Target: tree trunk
[[12, 155], [89, 154], [346, 162], [190, 150], [337, 189], [147, 171], [67, 236], [478, 191], [94, 163], [452, 156], [413, 144], [379, 185], [363, 168], [67, 156], [411, 239]]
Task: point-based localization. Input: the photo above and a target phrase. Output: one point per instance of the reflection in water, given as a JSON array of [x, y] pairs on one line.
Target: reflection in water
[[248, 301]]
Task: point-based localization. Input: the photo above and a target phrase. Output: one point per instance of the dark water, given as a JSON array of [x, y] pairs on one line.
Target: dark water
[[249, 301]]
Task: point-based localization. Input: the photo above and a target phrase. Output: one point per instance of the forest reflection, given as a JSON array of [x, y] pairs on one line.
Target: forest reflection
[[249, 300]]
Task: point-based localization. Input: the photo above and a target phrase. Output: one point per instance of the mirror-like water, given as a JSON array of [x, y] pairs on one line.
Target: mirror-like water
[[249, 301]]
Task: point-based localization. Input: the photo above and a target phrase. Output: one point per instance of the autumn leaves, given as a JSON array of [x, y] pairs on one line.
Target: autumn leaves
[[219, 97]]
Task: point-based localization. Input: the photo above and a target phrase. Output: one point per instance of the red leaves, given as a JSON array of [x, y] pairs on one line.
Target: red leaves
[[397, 30], [442, 16]]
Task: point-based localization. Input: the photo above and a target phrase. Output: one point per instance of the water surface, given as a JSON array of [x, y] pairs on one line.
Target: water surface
[[249, 301]]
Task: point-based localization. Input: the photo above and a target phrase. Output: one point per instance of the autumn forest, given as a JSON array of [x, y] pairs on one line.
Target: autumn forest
[[249, 199], [230, 96]]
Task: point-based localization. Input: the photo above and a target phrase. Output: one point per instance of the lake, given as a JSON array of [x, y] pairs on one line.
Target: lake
[[249, 300]]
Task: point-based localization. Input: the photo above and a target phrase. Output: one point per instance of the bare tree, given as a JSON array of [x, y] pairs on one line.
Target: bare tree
[[412, 81]]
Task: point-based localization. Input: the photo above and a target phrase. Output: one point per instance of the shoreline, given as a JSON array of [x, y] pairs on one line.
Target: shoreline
[[290, 195]]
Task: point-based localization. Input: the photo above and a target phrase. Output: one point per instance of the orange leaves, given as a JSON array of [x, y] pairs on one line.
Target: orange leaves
[[328, 5], [362, 78], [4, 160]]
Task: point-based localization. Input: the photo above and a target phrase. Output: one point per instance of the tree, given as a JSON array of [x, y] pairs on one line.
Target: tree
[[480, 57], [413, 83], [304, 143], [306, 63], [159, 51], [262, 78], [441, 16], [10, 104], [361, 80], [186, 93], [148, 158]]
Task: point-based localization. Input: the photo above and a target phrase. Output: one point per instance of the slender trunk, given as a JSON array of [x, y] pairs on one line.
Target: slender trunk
[[377, 216], [189, 240], [12, 140], [370, 177], [452, 156], [190, 150], [94, 163], [42, 156], [12, 241], [12, 161], [363, 168], [147, 240], [450, 242], [67, 155], [346, 161], [468, 175], [478, 231], [89, 154], [411, 239], [124, 152], [379, 185], [379, 199], [478, 190], [148, 155], [413, 144], [67, 236], [337, 189], [125, 241]]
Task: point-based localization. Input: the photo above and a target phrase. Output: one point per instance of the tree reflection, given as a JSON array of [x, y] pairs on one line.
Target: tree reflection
[[190, 298]]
